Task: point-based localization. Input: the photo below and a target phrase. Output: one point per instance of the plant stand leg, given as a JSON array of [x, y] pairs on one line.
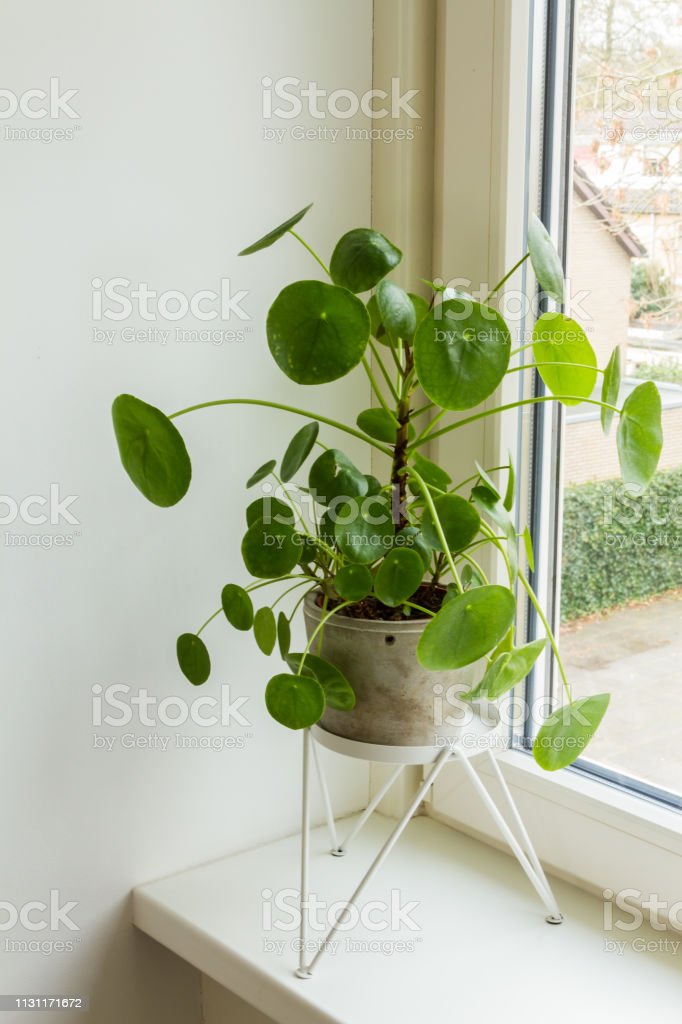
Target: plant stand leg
[[527, 857], [302, 971], [438, 765], [331, 824], [369, 810]]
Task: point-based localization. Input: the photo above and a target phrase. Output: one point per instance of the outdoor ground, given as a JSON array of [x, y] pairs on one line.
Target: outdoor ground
[[636, 655]]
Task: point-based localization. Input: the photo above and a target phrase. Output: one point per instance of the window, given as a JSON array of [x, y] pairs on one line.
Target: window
[[612, 192]]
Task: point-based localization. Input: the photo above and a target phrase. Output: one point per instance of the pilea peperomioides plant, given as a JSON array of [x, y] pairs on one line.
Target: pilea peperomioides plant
[[409, 546]]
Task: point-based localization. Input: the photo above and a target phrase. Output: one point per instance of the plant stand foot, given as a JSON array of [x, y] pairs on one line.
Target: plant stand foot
[[303, 972], [554, 918]]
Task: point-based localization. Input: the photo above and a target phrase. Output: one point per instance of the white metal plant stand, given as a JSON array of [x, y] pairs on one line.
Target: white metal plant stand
[[435, 756]]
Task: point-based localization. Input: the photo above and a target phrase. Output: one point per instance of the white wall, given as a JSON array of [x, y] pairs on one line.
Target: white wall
[[166, 177]]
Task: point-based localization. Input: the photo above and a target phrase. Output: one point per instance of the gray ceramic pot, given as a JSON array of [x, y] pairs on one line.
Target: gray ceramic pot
[[398, 703]]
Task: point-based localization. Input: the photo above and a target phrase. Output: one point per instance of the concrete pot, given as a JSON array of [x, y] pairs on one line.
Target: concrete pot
[[398, 703]]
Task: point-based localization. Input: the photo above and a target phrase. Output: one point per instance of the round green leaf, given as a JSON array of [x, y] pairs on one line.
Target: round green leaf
[[380, 424], [193, 658], [461, 352], [237, 606], [298, 450], [399, 576], [545, 259], [317, 332], [261, 473], [459, 519], [338, 692], [558, 339], [270, 510], [294, 701], [640, 437], [412, 539], [365, 532], [265, 629], [361, 258], [431, 474], [610, 388], [276, 233], [466, 628], [508, 669], [333, 475], [283, 634], [152, 451], [565, 734], [420, 306], [270, 550], [396, 310], [353, 582]]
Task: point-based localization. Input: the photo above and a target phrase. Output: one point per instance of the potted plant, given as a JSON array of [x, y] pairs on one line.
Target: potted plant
[[389, 572]]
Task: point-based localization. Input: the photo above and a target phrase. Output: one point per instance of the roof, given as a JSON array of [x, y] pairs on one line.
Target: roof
[[595, 202]]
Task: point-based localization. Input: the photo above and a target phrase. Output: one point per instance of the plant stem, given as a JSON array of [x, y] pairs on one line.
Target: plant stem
[[536, 366], [311, 251], [437, 524], [427, 611], [505, 278], [384, 371], [377, 390], [550, 635], [426, 432], [505, 408], [384, 449], [398, 477], [209, 619]]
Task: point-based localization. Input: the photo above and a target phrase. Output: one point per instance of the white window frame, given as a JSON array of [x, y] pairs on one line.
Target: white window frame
[[593, 833]]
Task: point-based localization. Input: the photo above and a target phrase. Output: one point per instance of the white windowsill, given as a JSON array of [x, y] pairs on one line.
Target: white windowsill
[[480, 926]]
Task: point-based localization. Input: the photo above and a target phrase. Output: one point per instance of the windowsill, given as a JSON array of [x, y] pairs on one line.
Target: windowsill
[[480, 925]]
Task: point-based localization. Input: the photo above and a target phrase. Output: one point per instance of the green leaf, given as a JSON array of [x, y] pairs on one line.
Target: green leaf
[[373, 485], [488, 502], [461, 352], [411, 538], [283, 634], [506, 671], [270, 550], [545, 259], [298, 450], [565, 734], [237, 606], [610, 388], [400, 575], [431, 474], [459, 519], [333, 475], [558, 339], [640, 437], [193, 658], [276, 233], [471, 578], [294, 701], [265, 629], [466, 628], [152, 451], [364, 532], [270, 510], [528, 544], [317, 332], [361, 258], [261, 473], [353, 582], [338, 692], [510, 493], [487, 480], [397, 310], [380, 424], [420, 306]]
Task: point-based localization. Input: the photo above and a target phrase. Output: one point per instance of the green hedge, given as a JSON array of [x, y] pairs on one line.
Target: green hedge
[[618, 547]]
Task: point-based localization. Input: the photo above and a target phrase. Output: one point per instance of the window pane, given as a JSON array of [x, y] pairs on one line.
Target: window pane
[[621, 591]]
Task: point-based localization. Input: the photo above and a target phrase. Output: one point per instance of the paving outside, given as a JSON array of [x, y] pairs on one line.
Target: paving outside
[[636, 655]]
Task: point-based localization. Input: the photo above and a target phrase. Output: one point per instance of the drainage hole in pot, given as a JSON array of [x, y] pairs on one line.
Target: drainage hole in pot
[[389, 640]]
